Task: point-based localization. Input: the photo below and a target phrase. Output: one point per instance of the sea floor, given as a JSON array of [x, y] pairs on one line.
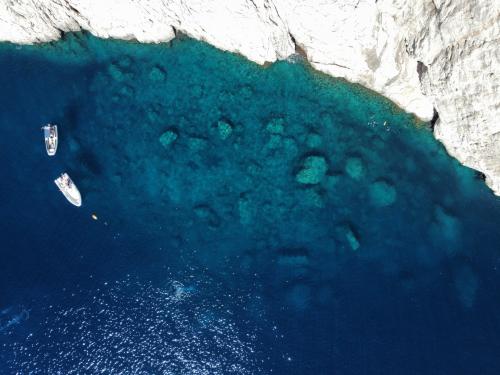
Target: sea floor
[[251, 220]]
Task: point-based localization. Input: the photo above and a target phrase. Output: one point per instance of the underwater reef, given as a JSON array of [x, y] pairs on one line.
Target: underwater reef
[[201, 142]]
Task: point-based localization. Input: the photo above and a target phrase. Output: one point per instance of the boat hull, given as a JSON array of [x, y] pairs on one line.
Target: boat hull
[[51, 139], [69, 189]]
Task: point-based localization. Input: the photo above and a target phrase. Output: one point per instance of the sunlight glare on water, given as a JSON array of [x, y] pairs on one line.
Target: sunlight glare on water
[[132, 328]]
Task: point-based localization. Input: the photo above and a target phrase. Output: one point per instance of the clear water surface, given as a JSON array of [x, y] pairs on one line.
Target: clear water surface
[[251, 220]]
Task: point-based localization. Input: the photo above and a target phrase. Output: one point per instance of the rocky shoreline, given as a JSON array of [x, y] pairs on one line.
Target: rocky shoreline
[[440, 61]]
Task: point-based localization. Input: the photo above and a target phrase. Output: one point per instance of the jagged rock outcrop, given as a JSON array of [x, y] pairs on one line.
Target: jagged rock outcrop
[[430, 57]]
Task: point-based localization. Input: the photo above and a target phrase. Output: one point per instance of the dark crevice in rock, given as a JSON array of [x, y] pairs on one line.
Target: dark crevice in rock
[[73, 9], [255, 5], [421, 70], [435, 118], [298, 49], [62, 33], [480, 175]]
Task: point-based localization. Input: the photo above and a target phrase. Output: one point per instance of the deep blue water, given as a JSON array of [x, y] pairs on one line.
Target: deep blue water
[[286, 223]]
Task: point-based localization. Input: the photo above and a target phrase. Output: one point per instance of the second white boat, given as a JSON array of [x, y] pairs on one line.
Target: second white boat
[[69, 189]]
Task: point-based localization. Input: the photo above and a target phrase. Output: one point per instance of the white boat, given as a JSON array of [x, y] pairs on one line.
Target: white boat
[[50, 135], [69, 189]]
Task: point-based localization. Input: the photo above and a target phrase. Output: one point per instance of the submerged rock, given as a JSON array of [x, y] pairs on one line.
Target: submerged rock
[[352, 240], [197, 143], [153, 114], [157, 74], [382, 193], [330, 182], [167, 138], [446, 226], [275, 142], [354, 168], [466, 285], [207, 214], [313, 140], [299, 297], [74, 145], [225, 130], [348, 236], [312, 198], [276, 126], [116, 73], [292, 263], [245, 210], [313, 170], [127, 91], [293, 260], [290, 147]]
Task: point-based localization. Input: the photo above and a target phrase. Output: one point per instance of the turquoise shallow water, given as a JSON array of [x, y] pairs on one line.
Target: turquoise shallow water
[[251, 220]]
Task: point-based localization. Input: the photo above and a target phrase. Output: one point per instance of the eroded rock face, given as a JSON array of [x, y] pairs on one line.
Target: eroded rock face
[[426, 56]]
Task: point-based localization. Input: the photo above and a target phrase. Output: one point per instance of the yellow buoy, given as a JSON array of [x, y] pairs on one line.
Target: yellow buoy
[[94, 216]]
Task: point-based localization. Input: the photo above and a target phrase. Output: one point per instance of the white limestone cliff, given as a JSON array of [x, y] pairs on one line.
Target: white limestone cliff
[[424, 55]]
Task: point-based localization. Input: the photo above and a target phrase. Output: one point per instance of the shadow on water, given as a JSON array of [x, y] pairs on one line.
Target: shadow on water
[[89, 162], [70, 118]]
